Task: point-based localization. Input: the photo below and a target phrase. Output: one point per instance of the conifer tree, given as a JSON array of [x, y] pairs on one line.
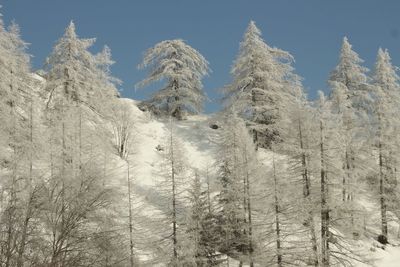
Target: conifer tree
[[262, 85], [73, 192], [174, 174], [298, 132], [237, 173], [351, 102], [16, 184], [386, 113], [182, 68], [196, 227], [336, 247]]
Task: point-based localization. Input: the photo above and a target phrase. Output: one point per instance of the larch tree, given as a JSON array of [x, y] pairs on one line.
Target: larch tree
[[237, 171], [201, 226], [386, 113], [52, 200], [173, 179], [352, 75], [27, 137], [122, 140], [335, 246], [298, 133], [262, 84], [68, 68], [198, 249], [181, 68], [325, 249], [17, 181], [351, 100], [73, 191], [79, 84]]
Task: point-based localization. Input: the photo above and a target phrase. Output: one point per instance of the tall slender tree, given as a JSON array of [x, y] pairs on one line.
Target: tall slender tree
[[386, 111], [237, 174], [350, 100]]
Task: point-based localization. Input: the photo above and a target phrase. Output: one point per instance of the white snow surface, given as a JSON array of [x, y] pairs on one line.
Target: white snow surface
[[388, 257], [194, 133]]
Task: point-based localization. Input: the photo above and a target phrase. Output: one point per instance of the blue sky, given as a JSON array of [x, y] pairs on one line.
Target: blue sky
[[311, 30]]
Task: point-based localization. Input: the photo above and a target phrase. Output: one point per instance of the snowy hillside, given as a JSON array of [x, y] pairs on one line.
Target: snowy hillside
[[199, 141]]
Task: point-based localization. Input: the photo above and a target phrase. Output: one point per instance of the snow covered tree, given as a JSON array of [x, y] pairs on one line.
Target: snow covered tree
[[181, 68], [335, 246], [79, 90], [201, 241], [68, 69], [287, 220], [352, 76], [298, 132], [351, 102], [173, 185], [16, 132], [324, 183], [194, 224], [75, 74], [75, 194], [262, 85], [78, 84], [386, 113], [123, 125], [237, 172]]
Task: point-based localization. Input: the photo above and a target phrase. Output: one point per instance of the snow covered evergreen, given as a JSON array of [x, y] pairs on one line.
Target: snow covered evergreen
[[263, 85], [182, 68]]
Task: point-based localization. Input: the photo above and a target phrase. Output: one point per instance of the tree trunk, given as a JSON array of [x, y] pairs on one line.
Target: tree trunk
[[11, 209], [208, 191], [324, 205], [104, 167], [249, 217], [174, 233], [384, 227], [131, 255], [24, 231], [28, 214], [10, 223], [80, 141], [177, 112], [344, 182], [382, 191], [277, 219], [306, 194]]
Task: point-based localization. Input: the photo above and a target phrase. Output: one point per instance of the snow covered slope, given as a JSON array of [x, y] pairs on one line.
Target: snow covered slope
[[195, 135], [198, 140], [149, 136]]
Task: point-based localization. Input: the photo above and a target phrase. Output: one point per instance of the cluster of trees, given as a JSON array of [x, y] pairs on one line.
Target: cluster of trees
[[287, 186], [309, 206], [54, 193]]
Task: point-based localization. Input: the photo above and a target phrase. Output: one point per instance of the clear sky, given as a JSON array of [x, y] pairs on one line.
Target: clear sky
[[311, 30]]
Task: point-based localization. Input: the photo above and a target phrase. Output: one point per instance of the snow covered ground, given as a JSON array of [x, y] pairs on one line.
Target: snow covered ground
[[195, 135], [388, 257]]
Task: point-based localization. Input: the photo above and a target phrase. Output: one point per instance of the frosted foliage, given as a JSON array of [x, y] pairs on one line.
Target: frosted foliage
[[263, 85], [349, 71], [76, 74], [181, 68], [387, 94]]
